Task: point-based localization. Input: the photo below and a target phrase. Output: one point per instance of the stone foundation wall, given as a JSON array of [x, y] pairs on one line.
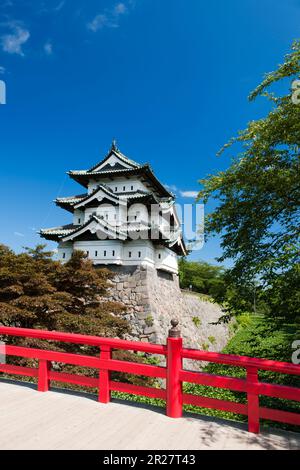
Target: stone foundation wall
[[153, 298]]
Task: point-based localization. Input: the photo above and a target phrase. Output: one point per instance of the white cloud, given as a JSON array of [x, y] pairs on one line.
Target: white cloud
[[12, 43], [19, 234], [120, 9], [98, 23], [60, 6], [171, 187], [2, 70], [45, 8], [48, 48], [7, 3], [180, 192], [191, 194], [109, 18]]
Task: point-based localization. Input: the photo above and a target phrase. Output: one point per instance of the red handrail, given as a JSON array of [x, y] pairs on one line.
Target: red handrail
[[84, 339], [174, 373], [242, 361]]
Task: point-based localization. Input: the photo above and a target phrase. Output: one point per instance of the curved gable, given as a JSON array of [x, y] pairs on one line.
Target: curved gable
[[101, 194]]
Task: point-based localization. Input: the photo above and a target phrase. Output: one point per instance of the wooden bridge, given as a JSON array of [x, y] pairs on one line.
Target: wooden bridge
[[68, 420]]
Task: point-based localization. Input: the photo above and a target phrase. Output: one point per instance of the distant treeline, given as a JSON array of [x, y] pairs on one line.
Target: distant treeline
[[202, 277]]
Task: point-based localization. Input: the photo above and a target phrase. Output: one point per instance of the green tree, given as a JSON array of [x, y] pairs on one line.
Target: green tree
[[37, 292], [257, 215], [203, 277]]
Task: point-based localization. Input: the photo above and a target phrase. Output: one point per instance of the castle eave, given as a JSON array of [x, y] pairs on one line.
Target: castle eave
[[68, 203], [57, 233], [84, 176]]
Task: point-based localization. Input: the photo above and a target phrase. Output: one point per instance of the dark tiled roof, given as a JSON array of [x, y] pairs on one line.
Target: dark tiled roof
[[68, 203], [115, 151], [145, 171], [101, 187], [55, 233]]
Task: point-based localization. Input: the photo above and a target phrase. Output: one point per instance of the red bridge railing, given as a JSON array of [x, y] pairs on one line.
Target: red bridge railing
[[174, 373]]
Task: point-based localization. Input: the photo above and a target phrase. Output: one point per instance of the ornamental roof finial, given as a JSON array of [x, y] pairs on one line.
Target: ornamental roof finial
[[114, 145]]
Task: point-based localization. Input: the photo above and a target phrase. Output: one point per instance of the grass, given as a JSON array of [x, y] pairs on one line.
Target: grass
[[203, 297]]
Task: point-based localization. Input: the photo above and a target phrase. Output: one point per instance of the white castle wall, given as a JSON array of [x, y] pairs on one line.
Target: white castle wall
[[119, 183], [129, 253]]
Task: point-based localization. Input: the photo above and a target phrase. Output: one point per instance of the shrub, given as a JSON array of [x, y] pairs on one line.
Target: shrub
[[197, 321]]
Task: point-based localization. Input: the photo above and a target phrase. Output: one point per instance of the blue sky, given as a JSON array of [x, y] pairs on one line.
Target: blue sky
[[169, 79]]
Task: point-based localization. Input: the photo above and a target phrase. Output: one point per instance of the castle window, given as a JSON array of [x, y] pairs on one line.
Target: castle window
[[105, 253], [64, 255], [124, 188], [87, 253], [116, 189], [159, 256], [96, 254], [129, 254], [131, 188], [79, 221], [140, 254], [113, 253]]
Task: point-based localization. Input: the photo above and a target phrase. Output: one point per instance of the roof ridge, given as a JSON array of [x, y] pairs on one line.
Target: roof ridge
[[89, 172], [77, 196], [114, 150], [60, 227], [103, 188]]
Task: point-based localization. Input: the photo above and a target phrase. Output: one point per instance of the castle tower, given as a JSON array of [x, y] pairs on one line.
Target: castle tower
[[126, 221], [125, 218]]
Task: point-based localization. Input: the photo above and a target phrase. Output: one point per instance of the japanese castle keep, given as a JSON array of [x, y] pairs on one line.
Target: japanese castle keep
[[126, 221], [125, 218]]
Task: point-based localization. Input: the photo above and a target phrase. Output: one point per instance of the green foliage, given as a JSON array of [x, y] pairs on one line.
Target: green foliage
[[149, 320], [38, 252], [37, 292], [197, 321], [152, 360], [257, 215], [244, 320], [257, 338], [212, 339], [205, 346], [203, 277]]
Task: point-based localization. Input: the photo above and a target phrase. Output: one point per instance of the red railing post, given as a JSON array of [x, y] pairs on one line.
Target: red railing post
[[43, 377], [104, 377], [253, 400], [174, 366]]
